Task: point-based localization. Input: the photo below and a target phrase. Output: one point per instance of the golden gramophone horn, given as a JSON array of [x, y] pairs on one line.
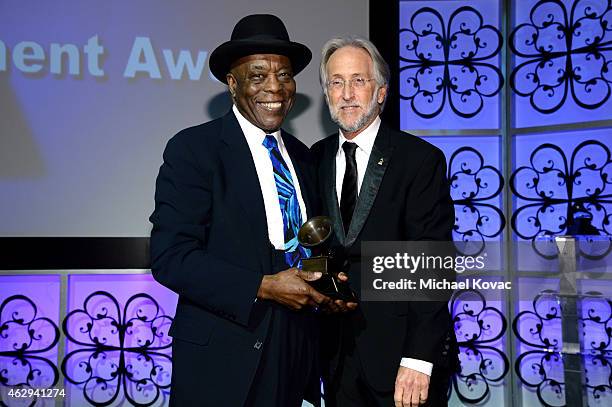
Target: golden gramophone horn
[[315, 231]]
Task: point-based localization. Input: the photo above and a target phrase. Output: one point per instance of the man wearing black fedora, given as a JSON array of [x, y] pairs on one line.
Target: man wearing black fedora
[[230, 197]]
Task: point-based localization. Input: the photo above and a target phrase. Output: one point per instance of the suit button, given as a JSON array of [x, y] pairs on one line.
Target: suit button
[[258, 345]]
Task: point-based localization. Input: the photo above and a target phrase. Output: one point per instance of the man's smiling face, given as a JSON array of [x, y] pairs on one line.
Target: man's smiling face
[[352, 107], [263, 89]]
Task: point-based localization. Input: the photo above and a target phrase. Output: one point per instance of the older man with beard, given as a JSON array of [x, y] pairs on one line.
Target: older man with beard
[[379, 184]]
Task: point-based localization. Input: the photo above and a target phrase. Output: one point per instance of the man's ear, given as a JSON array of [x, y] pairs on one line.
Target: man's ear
[[381, 94], [231, 84]]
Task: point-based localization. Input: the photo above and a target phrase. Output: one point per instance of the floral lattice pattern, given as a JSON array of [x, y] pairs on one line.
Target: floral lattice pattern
[[450, 62], [119, 351], [564, 54]]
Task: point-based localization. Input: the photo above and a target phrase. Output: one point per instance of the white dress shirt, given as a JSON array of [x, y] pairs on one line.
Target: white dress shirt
[[365, 142], [265, 173]]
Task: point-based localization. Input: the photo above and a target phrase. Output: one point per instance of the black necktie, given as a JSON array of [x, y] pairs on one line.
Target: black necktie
[[349, 185]]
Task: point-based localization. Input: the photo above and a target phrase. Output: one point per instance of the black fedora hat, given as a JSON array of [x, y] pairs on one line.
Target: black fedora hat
[[258, 34]]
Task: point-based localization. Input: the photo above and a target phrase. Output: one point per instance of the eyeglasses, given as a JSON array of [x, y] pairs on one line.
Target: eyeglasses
[[355, 83]]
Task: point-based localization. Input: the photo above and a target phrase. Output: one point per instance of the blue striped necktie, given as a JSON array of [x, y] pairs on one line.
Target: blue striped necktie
[[289, 204]]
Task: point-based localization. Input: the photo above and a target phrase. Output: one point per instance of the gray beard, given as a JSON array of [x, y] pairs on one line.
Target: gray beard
[[359, 124]]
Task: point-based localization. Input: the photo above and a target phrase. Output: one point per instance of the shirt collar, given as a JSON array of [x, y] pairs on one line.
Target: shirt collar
[[365, 139], [253, 134]]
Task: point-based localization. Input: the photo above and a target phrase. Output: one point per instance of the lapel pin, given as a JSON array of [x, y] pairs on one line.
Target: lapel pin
[[380, 162]]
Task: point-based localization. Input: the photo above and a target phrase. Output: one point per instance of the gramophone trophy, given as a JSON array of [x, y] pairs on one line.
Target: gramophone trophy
[[315, 235]]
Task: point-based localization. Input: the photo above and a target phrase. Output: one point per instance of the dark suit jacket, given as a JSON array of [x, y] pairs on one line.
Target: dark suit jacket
[[210, 245], [404, 196]]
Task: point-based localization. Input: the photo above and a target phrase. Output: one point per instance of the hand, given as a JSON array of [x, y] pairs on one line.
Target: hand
[[289, 288], [336, 306], [411, 388]]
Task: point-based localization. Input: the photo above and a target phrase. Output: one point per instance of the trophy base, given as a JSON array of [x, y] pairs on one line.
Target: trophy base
[[328, 284]]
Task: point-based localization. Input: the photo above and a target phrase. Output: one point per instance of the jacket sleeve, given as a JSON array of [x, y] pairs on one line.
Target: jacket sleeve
[[180, 259], [430, 321]]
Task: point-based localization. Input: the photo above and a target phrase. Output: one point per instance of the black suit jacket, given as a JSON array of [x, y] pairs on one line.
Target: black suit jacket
[[404, 197], [210, 245]]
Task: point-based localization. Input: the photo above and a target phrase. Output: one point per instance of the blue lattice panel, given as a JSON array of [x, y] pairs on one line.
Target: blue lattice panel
[[118, 350], [597, 340], [562, 64], [480, 326], [29, 336], [537, 328], [450, 76], [561, 183], [538, 331], [476, 181]]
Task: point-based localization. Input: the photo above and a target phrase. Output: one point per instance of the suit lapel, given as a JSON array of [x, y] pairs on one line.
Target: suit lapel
[[375, 170], [240, 169], [328, 173]]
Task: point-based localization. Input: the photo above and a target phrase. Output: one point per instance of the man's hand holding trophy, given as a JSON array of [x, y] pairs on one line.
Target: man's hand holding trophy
[[315, 235]]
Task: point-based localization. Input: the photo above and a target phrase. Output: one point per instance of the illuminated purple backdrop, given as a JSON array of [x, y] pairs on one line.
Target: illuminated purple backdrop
[[29, 335], [115, 332], [453, 77]]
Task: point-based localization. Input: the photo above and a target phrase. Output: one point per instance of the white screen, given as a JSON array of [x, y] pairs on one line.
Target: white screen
[[82, 129]]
